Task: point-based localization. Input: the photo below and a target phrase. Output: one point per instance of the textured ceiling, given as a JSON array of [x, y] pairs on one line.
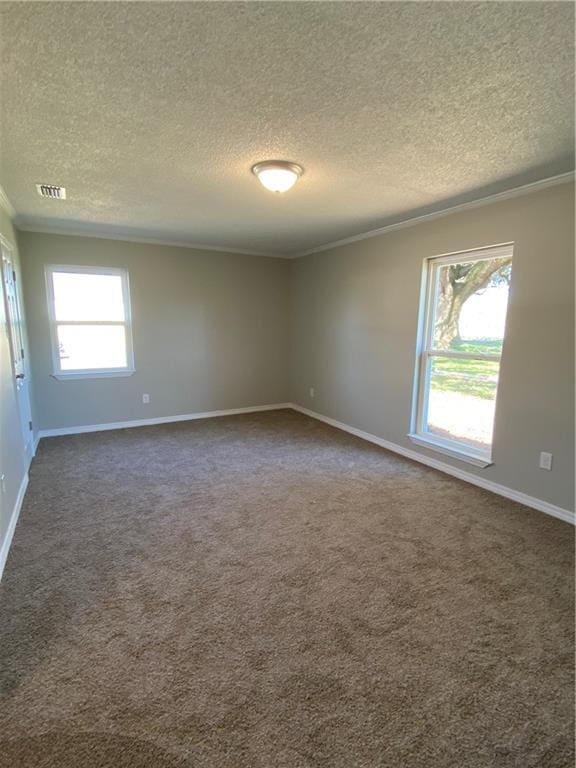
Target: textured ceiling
[[151, 114]]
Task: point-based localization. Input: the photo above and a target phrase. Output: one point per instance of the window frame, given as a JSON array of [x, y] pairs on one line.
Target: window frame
[[426, 352], [89, 373]]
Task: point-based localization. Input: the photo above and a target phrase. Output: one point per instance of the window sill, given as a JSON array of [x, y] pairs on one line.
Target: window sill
[[456, 453], [92, 375]]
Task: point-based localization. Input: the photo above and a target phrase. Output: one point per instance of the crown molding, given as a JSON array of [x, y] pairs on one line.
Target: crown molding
[[28, 225], [6, 204], [525, 189]]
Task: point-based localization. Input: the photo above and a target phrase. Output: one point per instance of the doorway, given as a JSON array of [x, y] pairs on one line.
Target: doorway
[[15, 327]]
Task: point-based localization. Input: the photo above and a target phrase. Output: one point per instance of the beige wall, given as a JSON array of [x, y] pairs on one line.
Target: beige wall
[[13, 461], [354, 325], [210, 331]]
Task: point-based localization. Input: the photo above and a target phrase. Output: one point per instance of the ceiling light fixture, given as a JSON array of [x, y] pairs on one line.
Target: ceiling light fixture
[[277, 175]]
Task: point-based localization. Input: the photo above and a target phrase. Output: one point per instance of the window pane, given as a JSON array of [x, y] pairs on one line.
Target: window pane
[[461, 400], [84, 347], [470, 305], [79, 296]]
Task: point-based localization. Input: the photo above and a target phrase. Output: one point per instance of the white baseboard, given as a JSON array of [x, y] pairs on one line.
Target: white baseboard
[[159, 420], [8, 536], [488, 485]]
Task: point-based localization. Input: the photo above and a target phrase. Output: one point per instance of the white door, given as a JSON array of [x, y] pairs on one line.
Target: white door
[[14, 319]]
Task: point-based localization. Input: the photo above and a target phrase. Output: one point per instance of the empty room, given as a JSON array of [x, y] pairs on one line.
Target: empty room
[[287, 384]]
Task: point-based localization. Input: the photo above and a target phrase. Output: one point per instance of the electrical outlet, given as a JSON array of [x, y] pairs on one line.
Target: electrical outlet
[[312, 392], [145, 398], [3, 483], [545, 460]]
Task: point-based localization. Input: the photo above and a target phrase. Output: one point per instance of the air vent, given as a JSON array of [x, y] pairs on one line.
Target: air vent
[[52, 191]]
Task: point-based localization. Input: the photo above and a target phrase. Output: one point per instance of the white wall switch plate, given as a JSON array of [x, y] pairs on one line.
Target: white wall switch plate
[[312, 391]]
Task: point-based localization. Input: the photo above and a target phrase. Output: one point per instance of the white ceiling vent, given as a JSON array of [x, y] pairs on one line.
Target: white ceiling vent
[[52, 191]]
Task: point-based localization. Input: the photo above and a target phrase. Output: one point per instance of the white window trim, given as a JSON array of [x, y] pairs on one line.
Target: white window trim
[[424, 352], [91, 373], [449, 449]]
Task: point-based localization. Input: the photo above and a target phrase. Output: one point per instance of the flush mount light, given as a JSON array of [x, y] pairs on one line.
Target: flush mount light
[[277, 175]]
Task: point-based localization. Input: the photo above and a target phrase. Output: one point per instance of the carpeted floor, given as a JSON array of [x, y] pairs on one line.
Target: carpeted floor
[[264, 591]]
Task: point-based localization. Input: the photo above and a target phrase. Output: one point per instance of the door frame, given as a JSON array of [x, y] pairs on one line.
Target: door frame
[[7, 257]]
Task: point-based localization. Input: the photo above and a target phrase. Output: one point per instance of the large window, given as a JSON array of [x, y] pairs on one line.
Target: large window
[[89, 310], [462, 330]]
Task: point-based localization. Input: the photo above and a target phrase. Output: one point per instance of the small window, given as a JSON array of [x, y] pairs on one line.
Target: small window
[[90, 326], [462, 331]]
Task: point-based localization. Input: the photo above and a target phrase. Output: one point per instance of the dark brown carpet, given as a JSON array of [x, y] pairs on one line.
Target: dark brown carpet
[[264, 591]]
